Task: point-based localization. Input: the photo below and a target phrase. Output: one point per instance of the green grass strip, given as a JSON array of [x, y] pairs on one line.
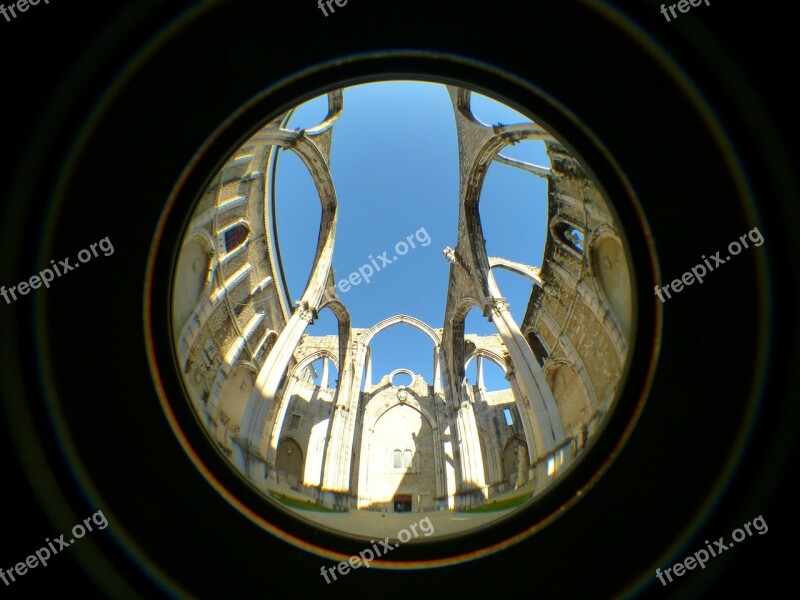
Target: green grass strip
[[300, 505], [502, 505]]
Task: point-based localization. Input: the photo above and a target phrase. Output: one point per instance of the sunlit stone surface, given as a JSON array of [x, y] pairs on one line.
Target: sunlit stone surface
[[307, 420]]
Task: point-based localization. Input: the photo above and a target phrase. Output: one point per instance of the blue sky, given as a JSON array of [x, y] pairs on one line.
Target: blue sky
[[395, 167]]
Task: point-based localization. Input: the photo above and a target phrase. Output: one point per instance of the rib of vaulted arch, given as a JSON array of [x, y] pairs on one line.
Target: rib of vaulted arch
[[258, 430], [366, 352], [472, 285]]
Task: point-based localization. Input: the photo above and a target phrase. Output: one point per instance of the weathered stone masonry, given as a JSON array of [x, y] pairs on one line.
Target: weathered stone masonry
[[357, 441]]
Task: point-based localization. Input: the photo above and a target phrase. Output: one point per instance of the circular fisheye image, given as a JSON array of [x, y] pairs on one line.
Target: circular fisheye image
[[402, 303]]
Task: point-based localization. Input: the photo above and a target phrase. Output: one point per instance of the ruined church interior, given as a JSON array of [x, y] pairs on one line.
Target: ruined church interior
[[326, 426]]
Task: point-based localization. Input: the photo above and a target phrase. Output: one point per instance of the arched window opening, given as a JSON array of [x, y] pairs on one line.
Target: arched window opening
[[516, 290], [490, 377], [235, 236], [402, 379], [575, 237], [478, 324], [537, 347], [298, 213], [570, 236], [513, 214], [309, 114], [321, 372], [401, 346]]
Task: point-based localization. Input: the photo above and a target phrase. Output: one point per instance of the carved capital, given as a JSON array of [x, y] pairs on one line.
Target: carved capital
[[496, 304], [306, 312]]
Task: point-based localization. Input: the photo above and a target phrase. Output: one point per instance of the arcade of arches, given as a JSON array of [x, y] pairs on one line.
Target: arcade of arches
[[305, 418]]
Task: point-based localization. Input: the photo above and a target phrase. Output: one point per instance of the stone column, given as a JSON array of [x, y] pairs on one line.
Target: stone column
[[522, 467], [472, 475], [536, 394], [368, 376], [338, 456], [524, 415], [437, 369], [325, 374], [262, 403]]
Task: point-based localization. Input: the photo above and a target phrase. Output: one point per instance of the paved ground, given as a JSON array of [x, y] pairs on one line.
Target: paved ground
[[378, 525]]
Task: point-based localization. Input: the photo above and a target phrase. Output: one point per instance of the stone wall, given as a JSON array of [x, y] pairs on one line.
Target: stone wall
[[459, 445]]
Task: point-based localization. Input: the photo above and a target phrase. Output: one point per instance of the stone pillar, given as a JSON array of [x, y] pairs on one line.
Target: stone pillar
[[368, 376], [263, 400], [525, 416], [339, 453], [437, 369], [472, 476], [522, 467], [536, 394], [449, 468], [325, 374], [479, 373]]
